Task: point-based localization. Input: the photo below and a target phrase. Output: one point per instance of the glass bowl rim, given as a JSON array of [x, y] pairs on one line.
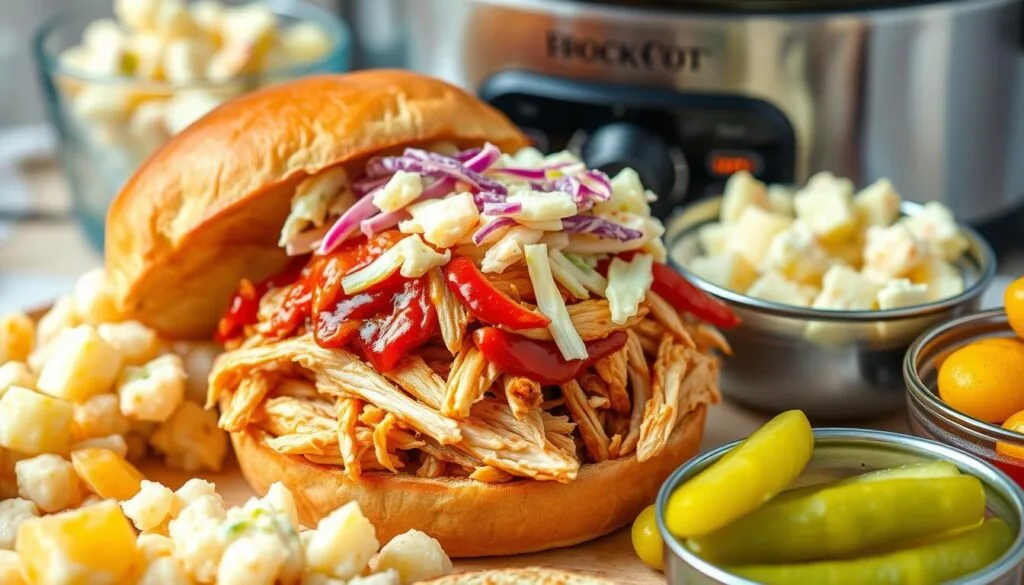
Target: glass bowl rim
[[338, 29]]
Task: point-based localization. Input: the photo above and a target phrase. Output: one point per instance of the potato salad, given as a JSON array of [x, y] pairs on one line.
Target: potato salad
[[84, 378], [177, 59], [152, 535], [826, 246]]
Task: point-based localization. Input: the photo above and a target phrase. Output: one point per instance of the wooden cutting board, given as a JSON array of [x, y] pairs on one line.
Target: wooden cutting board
[[610, 557]]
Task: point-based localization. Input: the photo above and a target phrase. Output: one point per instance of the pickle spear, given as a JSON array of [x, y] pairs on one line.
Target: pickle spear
[[923, 470], [746, 477], [845, 519], [937, 562]]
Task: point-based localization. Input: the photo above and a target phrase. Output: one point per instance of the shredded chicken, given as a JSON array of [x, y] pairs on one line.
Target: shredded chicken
[[667, 316], [348, 442], [613, 371], [380, 441], [523, 394], [592, 320], [639, 381], [594, 438], [430, 467], [452, 316], [244, 401], [470, 377]]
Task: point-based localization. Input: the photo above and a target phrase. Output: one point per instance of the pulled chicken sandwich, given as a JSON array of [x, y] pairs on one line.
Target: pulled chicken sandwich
[[423, 314]]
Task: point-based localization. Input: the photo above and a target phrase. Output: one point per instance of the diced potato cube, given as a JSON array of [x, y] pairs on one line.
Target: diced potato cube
[[152, 546], [343, 543], [891, 252], [849, 252], [152, 392], [714, 238], [164, 571], [776, 288], [187, 106], [281, 499], [60, 317], [878, 204], [17, 335], [82, 366], [198, 535], [415, 556], [754, 232], [136, 343], [780, 200], [172, 19], [99, 416], [942, 278], [253, 26], [10, 568], [902, 293], [728, 270], [94, 302], [185, 60], [48, 480], [115, 443], [742, 190], [102, 105], [192, 491], [33, 423], [796, 254], [147, 125], [209, 15], [93, 544], [825, 204], [255, 558], [106, 473], [16, 374], [147, 51], [13, 513], [389, 577], [136, 14], [936, 225], [8, 478], [305, 42], [846, 289], [150, 507], [190, 440]]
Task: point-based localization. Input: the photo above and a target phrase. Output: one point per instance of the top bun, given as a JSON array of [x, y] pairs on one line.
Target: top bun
[[206, 210]]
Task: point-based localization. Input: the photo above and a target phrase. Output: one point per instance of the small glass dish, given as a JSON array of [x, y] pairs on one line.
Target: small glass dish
[[932, 418], [100, 151]]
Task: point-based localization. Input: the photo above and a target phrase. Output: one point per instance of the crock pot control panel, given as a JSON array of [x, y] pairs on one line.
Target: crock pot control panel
[[683, 146]]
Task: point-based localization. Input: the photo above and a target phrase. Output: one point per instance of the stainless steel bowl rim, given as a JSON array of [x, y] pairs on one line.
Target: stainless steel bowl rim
[[335, 27], [921, 394], [985, 472], [987, 271]]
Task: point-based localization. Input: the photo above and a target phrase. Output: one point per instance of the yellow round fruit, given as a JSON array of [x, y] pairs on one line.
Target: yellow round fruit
[[647, 540], [1013, 302], [1016, 424], [984, 380]]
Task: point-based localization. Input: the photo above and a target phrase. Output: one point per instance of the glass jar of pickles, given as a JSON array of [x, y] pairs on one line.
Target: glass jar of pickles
[[122, 76]]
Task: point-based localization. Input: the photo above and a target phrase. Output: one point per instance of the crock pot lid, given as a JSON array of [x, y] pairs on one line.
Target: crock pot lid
[[761, 6]]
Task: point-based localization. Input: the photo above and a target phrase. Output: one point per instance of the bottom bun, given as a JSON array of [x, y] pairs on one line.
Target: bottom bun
[[470, 518], [525, 576]]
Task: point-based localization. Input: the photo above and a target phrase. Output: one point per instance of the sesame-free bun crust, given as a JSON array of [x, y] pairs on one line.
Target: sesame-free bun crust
[[207, 209], [524, 576], [470, 518]]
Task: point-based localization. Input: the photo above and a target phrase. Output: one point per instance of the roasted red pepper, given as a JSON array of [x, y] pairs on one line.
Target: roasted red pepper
[[486, 302], [336, 326], [384, 340], [684, 296], [540, 360], [244, 306]]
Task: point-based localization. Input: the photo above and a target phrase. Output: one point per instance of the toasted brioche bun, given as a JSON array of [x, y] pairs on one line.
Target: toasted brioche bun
[[207, 209], [524, 576], [470, 518]]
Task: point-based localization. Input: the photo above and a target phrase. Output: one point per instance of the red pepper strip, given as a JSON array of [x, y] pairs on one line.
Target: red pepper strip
[[384, 340], [684, 296], [486, 302], [540, 360]]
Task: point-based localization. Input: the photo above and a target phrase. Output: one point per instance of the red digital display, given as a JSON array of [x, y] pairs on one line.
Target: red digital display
[[723, 164]]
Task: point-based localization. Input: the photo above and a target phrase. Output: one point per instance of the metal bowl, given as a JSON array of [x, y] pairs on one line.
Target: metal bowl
[[860, 450], [932, 418], [833, 365]]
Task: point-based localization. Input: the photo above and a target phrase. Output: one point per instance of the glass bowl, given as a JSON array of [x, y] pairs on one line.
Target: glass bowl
[[932, 418], [107, 126]]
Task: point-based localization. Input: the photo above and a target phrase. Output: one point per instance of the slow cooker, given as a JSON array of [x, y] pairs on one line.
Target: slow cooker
[[927, 93]]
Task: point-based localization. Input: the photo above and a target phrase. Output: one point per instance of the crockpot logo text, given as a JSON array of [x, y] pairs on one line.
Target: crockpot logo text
[[650, 55]]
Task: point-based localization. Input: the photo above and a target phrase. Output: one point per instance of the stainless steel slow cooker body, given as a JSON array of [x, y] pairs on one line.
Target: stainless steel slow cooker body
[[928, 94]]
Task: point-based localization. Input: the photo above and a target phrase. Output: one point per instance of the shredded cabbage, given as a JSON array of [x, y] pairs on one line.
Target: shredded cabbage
[[550, 303], [443, 222], [542, 206], [509, 249], [628, 195], [570, 264], [566, 276], [313, 197], [401, 190], [628, 283], [410, 256]]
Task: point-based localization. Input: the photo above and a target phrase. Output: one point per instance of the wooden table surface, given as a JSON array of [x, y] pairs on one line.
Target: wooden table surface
[[32, 248]]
